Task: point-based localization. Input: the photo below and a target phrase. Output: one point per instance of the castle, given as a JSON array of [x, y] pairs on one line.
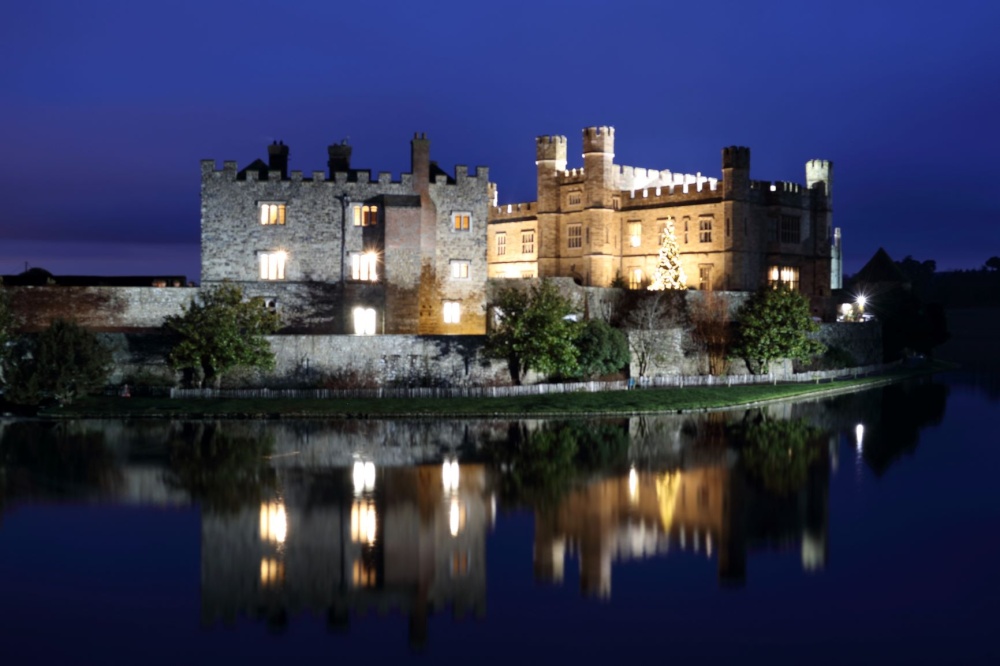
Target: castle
[[603, 224], [343, 252]]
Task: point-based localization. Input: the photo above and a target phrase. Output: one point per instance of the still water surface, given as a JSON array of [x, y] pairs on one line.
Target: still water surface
[[855, 529]]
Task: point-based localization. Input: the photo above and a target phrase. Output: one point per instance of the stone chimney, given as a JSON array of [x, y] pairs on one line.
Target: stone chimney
[[340, 157], [277, 158], [420, 162]]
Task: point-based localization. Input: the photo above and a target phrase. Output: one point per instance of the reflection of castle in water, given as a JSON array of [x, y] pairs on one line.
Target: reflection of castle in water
[[335, 541], [709, 509]]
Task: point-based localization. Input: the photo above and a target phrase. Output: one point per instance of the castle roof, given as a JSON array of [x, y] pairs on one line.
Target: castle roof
[[880, 268]]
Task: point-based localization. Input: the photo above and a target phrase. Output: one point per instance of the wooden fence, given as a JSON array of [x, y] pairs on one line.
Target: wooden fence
[[532, 389]]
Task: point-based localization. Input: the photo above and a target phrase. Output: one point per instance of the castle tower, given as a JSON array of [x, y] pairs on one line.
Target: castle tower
[[736, 172], [550, 159], [598, 165], [820, 172]]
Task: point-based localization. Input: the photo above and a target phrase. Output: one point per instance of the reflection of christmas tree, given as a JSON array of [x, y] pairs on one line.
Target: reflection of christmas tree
[[668, 273]]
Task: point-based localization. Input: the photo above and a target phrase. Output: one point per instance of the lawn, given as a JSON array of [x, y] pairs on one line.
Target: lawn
[[613, 402]]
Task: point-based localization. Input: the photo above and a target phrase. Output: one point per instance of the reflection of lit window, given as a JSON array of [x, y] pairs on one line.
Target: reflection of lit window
[[272, 213], [633, 485], [456, 516], [363, 521], [364, 321], [363, 574], [273, 522], [449, 475], [452, 312], [272, 571], [272, 265], [364, 476], [459, 563], [364, 267]]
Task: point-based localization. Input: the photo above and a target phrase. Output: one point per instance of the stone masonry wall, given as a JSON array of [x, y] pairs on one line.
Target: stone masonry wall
[[98, 308]]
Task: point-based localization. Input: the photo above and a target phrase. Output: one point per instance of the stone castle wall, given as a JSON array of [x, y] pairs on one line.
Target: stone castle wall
[[98, 308]]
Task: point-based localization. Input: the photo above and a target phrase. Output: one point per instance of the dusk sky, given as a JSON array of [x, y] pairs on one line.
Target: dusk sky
[[106, 107]]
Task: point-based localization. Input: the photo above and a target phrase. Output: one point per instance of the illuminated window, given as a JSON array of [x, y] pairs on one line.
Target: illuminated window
[[574, 199], [574, 235], [783, 275], [686, 220], [364, 266], [272, 572], [460, 270], [528, 241], [272, 213], [634, 278], [460, 221], [705, 230], [635, 234], [272, 265], [527, 274], [364, 321], [705, 277], [452, 312], [501, 244], [791, 230], [365, 216], [459, 563]]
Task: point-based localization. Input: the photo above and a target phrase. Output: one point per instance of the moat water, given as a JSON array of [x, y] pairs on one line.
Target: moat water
[[855, 529]]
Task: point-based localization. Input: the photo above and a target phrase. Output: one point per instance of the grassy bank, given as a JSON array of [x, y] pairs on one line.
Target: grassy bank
[[615, 403]]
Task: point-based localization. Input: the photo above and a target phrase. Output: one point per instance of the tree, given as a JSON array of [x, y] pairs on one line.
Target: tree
[[668, 273], [711, 329], [774, 324], [602, 349], [644, 324], [63, 363], [8, 324], [993, 263], [220, 330], [532, 331]]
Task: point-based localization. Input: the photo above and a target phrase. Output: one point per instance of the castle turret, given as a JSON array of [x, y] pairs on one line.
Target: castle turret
[[820, 172], [550, 159], [339, 157], [736, 172], [277, 158], [598, 165]]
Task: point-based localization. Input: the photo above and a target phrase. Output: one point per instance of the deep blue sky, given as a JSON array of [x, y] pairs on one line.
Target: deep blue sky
[[106, 107]]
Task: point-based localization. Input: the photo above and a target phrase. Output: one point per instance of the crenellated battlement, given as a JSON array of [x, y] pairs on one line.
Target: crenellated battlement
[[777, 186], [570, 176], [599, 139], [736, 157], [551, 149], [686, 187], [515, 211], [230, 172]]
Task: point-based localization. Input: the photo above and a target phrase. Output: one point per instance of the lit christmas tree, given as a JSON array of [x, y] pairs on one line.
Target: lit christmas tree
[[668, 273]]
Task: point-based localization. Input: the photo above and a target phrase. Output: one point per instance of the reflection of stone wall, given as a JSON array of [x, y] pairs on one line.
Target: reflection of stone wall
[[405, 541]]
